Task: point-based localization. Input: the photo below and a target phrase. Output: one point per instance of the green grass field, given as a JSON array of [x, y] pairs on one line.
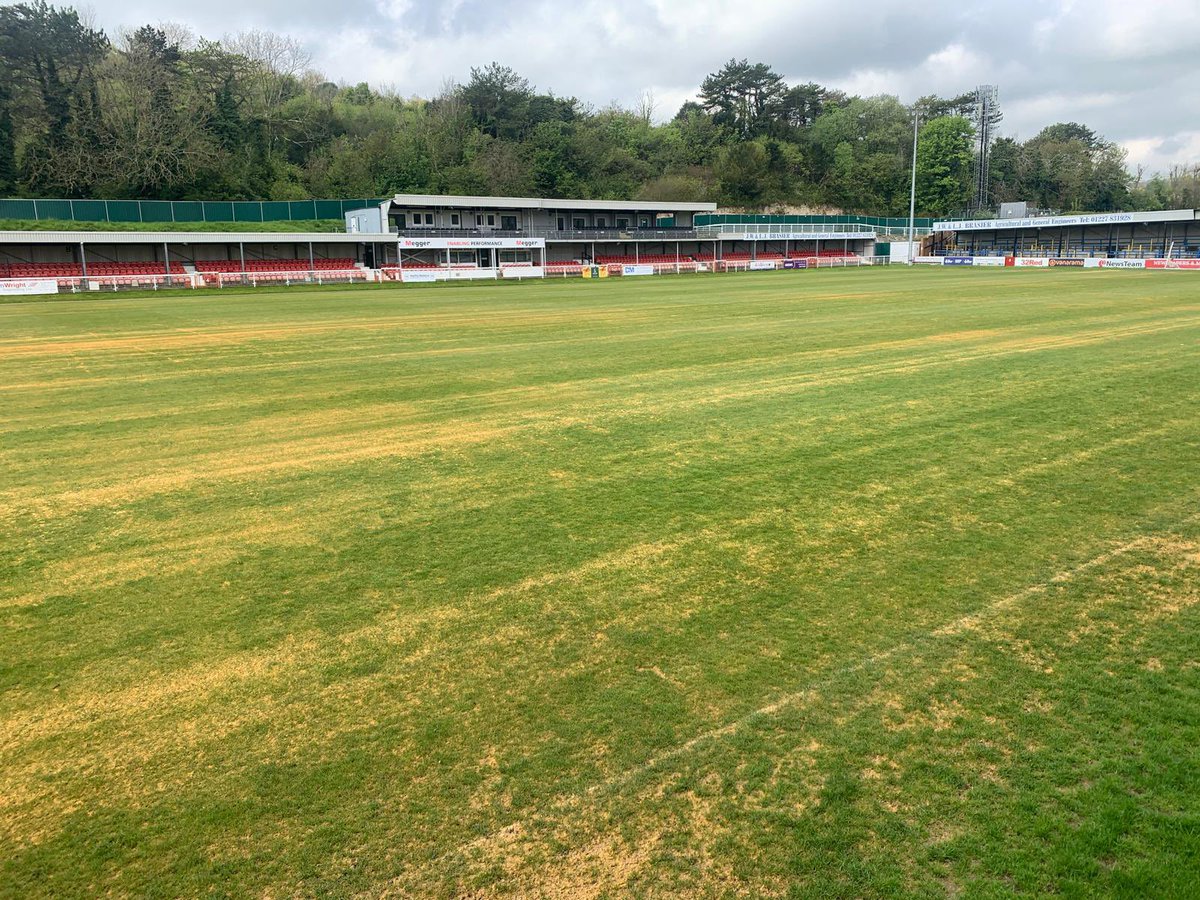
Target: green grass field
[[837, 583]]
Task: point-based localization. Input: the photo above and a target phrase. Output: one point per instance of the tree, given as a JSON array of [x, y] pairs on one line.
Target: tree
[[162, 113], [747, 98], [8, 156], [944, 165], [860, 151], [741, 172], [225, 123], [681, 188], [46, 53], [646, 106], [699, 136], [1106, 186], [935, 107], [1066, 132], [498, 98], [48, 59], [446, 128], [1178, 189], [503, 169], [150, 141], [801, 105], [1068, 166], [551, 162], [273, 65], [1004, 171]]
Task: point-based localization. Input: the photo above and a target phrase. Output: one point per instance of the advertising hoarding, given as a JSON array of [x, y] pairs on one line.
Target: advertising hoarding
[[28, 286], [471, 243]]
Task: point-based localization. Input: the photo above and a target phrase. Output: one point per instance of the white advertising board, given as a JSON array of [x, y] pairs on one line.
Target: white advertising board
[[928, 260], [803, 236], [522, 272], [28, 286], [988, 261], [637, 270], [1119, 263], [759, 265], [469, 274], [1116, 218], [1189, 264], [472, 243], [1037, 262], [418, 276]]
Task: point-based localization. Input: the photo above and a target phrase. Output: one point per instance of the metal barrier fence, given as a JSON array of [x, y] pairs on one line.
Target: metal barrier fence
[[879, 223], [51, 284], [159, 211], [288, 277], [733, 229]]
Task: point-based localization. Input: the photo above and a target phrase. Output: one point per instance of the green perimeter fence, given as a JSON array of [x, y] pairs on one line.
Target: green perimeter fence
[[309, 210], [179, 210]]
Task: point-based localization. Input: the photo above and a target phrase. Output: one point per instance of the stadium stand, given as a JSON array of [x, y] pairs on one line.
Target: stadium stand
[[647, 259], [445, 234], [75, 270], [273, 265], [129, 274], [211, 270]]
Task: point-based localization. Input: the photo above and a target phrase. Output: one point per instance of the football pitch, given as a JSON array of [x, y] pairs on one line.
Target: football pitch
[[836, 583]]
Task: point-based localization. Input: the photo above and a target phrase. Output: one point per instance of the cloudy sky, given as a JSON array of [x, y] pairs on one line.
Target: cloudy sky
[[1128, 68]]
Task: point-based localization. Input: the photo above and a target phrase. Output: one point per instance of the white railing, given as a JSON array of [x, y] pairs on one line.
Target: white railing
[[80, 283], [409, 274], [785, 232], [288, 277], [564, 269]]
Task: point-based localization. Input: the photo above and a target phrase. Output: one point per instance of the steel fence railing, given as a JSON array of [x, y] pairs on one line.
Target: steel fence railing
[[732, 230]]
